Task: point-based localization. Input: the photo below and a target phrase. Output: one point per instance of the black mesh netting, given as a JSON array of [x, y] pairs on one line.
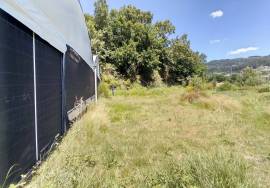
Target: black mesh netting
[[79, 77], [17, 133], [49, 95], [56, 94]]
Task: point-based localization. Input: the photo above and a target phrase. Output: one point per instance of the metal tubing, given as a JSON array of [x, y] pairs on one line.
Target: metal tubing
[[35, 96]]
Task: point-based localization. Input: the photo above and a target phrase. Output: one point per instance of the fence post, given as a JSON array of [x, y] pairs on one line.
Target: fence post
[[64, 121], [96, 97], [35, 95]]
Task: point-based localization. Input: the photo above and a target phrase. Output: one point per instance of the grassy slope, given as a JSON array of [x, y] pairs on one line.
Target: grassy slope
[[146, 138]]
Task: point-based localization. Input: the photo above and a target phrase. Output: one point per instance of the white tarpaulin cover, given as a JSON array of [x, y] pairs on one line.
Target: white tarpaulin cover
[[59, 22]]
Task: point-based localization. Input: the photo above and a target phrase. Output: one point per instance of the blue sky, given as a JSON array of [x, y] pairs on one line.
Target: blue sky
[[219, 28]]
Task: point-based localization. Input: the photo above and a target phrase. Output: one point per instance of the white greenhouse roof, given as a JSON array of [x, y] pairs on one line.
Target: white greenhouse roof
[[59, 22]]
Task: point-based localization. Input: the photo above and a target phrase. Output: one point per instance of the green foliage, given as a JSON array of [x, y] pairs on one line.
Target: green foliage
[[184, 62], [165, 28], [217, 78], [157, 80], [235, 78], [101, 14], [112, 79], [103, 90], [226, 86], [250, 77], [197, 83], [109, 75], [138, 48], [194, 90], [246, 78]]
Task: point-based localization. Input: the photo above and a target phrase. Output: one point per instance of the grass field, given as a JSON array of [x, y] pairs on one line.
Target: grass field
[[155, 138]]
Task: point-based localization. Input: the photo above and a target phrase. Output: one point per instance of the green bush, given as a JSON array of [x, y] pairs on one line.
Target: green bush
[[197, 83], [250, 77], [217, 78], [157, 80], [195, 89], [226, 86], [103, 90]]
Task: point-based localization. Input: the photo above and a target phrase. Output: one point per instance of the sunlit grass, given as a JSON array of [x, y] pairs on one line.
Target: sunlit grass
[[152, 138]]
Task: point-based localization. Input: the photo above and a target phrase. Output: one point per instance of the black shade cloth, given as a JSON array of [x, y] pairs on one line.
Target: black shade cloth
[[49, 93], [79, 81], [17, 132], [58, 85]]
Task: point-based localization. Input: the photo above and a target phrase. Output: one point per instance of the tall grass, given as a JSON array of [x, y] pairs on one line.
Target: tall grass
[[151, 138], [216, 169]]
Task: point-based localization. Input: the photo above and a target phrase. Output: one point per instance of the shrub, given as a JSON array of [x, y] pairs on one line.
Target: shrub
[[250, 77], [235, 79], [226, 86], [194, 90], [103, 90], [197, 83], [217, 77], [112, 79], [157, 80]]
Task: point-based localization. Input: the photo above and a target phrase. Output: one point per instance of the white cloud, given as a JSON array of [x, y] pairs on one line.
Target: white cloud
[[217, 14], [243, 50], [215, 41]]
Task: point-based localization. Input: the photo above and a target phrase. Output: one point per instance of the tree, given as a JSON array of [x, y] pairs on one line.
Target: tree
[[132, 43], [184, 62], [165, 28], [101, 14], [128, 39]]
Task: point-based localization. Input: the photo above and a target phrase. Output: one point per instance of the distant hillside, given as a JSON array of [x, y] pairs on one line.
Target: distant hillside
[[225, 65]]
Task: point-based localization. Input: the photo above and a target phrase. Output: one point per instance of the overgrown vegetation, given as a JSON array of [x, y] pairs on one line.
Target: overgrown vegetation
[[217, 169], [227, 86], [264, 89], [247, 78], [152, 138], [140, 50]]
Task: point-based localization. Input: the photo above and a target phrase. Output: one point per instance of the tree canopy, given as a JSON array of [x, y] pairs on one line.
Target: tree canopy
[[138, 48]]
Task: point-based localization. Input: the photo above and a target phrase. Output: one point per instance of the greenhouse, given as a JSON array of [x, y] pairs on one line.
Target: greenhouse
[[46, 71]]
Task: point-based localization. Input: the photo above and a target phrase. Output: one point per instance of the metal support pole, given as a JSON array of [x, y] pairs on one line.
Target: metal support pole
[[64, 121], [35, 96], [96, 97]]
